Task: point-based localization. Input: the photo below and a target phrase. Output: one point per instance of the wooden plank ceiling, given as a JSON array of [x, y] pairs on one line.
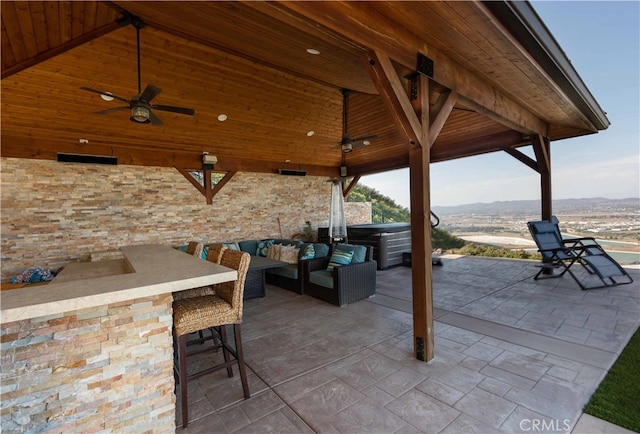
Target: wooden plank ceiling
[[249, 61]]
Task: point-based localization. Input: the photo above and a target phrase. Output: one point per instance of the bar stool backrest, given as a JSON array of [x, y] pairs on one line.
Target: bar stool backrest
[[232, 292], [215, 253]]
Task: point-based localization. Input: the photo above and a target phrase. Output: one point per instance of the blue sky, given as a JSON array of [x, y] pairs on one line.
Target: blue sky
[[602, 41]]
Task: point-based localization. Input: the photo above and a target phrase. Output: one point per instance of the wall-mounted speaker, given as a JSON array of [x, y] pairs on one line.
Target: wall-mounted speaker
[[88, 159], [292, 172]]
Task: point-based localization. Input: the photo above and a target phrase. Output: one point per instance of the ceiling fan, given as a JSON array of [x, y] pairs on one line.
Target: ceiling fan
[[348, 144], [140, 105]]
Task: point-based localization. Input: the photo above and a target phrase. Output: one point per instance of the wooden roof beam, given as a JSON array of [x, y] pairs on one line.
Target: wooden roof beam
[[479, 145], [43, 147], [347, 189], [355, 20], [523, 158], [394, 95], [440, 113]]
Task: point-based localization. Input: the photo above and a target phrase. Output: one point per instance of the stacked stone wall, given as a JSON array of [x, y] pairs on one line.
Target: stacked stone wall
[[103, 369], [54, 213]]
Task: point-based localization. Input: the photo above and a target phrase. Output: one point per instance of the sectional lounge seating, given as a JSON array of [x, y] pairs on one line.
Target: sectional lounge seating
[[308, 273], [290, 276]]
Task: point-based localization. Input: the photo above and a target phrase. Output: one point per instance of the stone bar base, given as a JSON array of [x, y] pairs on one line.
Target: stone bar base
[[107, 368]]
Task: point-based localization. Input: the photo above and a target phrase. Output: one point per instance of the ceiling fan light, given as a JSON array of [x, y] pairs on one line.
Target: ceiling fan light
[[107, 96], [347, 147], [140, 115]]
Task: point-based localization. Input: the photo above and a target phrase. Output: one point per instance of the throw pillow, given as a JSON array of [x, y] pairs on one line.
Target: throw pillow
[[289, 254], [307, 252], [232, 246], [322, 250], [274, 251], [338, 259], [263, 245], [359, 251]]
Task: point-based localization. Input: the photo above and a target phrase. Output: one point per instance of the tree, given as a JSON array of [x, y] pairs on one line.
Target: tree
[[383, 208]]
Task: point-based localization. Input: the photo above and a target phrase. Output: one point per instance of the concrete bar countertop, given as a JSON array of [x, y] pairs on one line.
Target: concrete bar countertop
[[144, 270]]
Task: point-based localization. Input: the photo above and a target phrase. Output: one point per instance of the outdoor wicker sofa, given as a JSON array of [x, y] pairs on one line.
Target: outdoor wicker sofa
[[344, 284]]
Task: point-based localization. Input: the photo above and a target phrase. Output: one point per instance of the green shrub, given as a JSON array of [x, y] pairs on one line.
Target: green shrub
[[443, 240]]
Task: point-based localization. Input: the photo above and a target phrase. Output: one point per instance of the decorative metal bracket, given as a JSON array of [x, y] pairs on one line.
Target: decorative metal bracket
[[413, 86], [424, 66], [420, 348]]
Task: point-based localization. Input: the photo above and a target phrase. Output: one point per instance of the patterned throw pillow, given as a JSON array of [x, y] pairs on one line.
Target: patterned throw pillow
[[263, 246], [308, 252], [359, 252], [338, 259]]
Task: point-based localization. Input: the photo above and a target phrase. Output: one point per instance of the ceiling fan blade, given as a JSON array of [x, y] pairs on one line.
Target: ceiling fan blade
[[363, 138], [168, 108], [111, 110], [155, 120], [149, 93], [107, 94]]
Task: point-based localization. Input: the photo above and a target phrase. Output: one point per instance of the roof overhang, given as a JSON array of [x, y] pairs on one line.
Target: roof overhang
[[248, 60]]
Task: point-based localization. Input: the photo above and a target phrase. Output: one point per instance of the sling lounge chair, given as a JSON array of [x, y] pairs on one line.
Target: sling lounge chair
[[558, 252]]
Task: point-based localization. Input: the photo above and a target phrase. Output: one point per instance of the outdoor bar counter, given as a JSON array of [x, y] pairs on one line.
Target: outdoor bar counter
[[93, 350]]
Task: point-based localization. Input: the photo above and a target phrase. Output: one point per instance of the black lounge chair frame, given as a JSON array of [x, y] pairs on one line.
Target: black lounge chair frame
[[558, 252]]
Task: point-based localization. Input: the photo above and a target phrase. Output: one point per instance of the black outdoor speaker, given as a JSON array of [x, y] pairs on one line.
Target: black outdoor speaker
[[292, 172], [89, 159]]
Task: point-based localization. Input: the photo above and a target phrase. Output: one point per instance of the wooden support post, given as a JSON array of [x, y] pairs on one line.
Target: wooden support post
[[207, 186], [542, 149], [412, 120], [545, 185], [421, 271]]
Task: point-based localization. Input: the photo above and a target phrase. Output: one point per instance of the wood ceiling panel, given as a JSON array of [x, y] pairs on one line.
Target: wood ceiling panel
[[368, 115], [249, 61], [269, 111], [242, 28], [31, 28]]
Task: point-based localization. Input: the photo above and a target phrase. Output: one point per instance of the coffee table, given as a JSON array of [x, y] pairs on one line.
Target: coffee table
[[254, 285]]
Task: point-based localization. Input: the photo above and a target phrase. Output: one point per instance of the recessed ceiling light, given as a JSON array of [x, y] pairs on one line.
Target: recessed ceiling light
[[310, 133], [312, 51], [222, 117], [106, 96]]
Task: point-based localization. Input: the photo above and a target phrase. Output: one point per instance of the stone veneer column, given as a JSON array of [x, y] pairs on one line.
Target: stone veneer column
[[106, 368]]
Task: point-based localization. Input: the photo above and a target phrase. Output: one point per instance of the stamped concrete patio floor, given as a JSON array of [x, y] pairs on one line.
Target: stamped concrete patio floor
[[511, 355]]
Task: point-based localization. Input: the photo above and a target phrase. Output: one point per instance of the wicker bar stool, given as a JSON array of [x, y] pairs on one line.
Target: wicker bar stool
[[213, 255], [213, 312], [195, 248]]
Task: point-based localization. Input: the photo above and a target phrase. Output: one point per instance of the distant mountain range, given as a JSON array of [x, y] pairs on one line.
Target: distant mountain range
[[533, 206]]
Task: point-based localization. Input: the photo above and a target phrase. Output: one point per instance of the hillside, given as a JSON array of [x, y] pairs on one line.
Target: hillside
[[383, 208], [532, 207]]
